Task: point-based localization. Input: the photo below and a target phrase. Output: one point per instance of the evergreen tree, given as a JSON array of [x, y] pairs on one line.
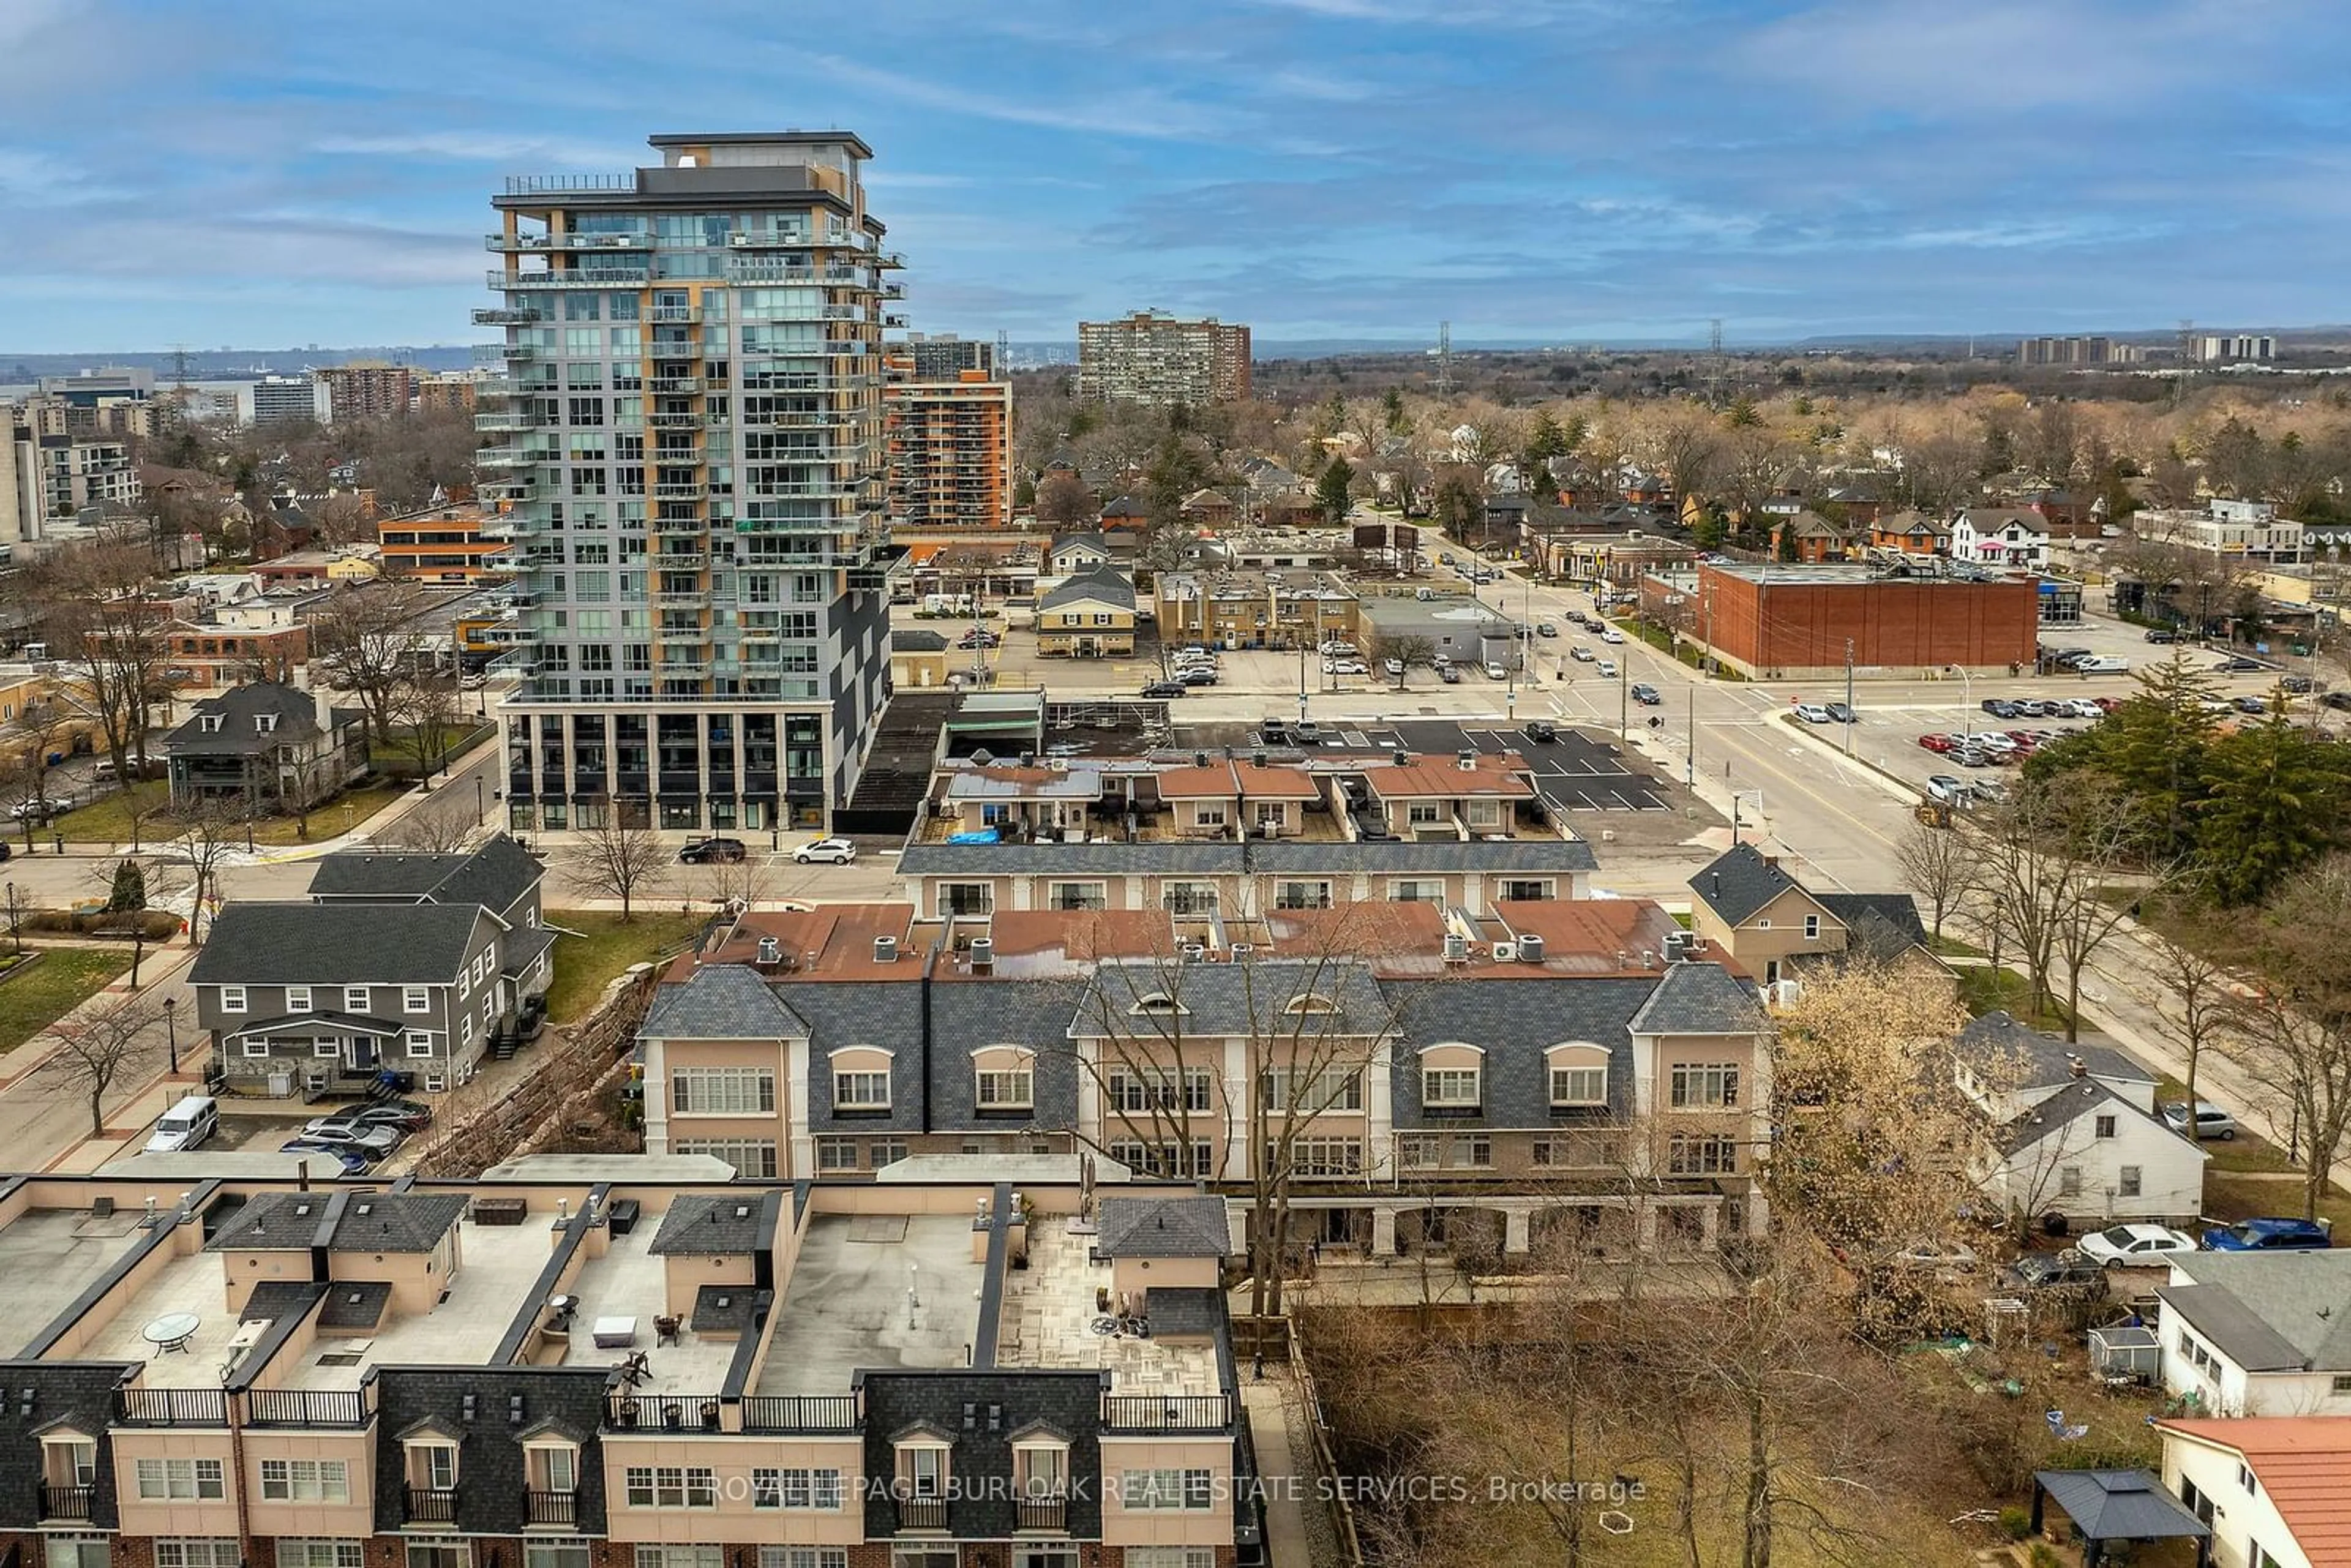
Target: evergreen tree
[[1332, 491], [130, 889], [2273, 800], [2155, 747], [1392, 413]]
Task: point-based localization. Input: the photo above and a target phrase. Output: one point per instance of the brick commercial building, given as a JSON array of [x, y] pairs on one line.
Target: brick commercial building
[[1796, 621]]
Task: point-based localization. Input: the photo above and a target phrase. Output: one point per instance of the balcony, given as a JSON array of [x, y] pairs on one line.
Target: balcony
[[430, 1505], [679, 560], [893, 321], [658, 1412], [514, 353], [800, 1412], [1174, 1413], [894, 291], [767, 269], [921, 1513], [505, 421], [675, 315], [679, 489], [578, 278], [170, 1408], [65, 1504], [314, 1406], [681, 598], [675, 386], [514, 457], [1049, 1515], [669, 419], [551, 1507], [507, 316]]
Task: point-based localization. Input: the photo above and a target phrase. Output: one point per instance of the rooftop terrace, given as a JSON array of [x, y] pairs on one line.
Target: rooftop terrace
[[879, 1290], [49, 1257], [497, 1268], [631, 1283]]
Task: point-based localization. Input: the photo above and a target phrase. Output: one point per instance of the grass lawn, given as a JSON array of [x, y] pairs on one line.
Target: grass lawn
[[1983, 989], [39, 996], [586, 964], [2248, 1150], [109, 819], [2238, 1196]]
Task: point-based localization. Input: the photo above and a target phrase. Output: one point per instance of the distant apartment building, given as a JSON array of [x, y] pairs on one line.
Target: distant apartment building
[[2226, 347], [115, 400], [367, 390], [56, 475], [942, 356], [694, 470], [949, 438], [2243, 530], [449, 392], [280, 398], [1154, 358], [2066, 351]]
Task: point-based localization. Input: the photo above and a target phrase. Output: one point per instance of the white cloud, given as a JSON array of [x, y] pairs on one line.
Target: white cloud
[[483, 147]]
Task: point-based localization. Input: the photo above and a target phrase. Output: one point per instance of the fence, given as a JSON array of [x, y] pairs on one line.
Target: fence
[[1326, 1463]]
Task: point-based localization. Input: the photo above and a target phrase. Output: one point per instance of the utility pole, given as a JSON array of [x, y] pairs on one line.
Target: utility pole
[[1851, 719], [1623, 700], [1690, 745]]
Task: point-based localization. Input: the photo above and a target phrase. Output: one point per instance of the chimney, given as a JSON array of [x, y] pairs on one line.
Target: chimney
[[1771, 863], [1718, 882], [2076, 1065]]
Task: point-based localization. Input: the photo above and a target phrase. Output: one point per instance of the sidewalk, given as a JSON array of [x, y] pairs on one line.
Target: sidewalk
[[43, 1128], [1290, 1487]]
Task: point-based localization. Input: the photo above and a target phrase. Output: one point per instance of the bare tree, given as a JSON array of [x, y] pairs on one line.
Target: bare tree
[[2297, 1031], [1940, 865], [369, 642], [207, 843], [1063, 501], [2054, 858], [97, 1049], [428, 704], [612, 858], [740, 883], [111, 637], [436, 826], [2193, 998]]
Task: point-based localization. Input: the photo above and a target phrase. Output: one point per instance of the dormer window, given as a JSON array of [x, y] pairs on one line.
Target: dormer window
[[1311, 1002], [1155, 1002], [1040, 1468], [211, 722], [1579, 1074], [551, 1468], [922, 1469], [433, 1463], [263, 723]]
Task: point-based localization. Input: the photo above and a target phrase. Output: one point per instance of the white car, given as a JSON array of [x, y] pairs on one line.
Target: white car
[[826, 852], [1395, 667], [2122, 1244], [1345, 667], [1581, 655], [1611, 635], [1497, 671], [1813, 713], [1608, 669]]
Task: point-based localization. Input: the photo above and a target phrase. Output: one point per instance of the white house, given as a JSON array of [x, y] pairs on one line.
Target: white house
[[2259, 1333], [2071, 1129], [2001, 535], [2271, 1489]]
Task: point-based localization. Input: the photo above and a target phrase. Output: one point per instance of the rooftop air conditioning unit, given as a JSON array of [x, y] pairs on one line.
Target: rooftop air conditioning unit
[[983, 955], [885, 949], [1531, 949], [1195, 951], [771, 952], [1457, 950], [1505, 952], [1241, 950]]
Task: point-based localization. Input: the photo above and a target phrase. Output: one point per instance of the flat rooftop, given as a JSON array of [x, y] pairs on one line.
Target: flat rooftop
[[50, 1256], [497, 1268], [195, 1286], [631, 1283], [886, 1292], [1049, 1320]]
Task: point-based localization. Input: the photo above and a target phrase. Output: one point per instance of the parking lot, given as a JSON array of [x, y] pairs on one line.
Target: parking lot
[[1576, 772]]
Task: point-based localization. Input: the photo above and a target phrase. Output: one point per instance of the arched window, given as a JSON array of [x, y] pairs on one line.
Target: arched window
[[1579, 1074]]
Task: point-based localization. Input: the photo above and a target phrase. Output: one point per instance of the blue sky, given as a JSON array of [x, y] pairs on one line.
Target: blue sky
[[273, 171]]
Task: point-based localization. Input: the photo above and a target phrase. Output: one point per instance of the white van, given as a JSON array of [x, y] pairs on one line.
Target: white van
[[185, 1125]]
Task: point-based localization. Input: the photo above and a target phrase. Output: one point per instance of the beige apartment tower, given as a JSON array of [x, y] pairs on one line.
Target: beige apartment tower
[[1154, 358]]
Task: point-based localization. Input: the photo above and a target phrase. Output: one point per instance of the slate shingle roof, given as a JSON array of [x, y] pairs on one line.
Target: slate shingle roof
[[711, 1225], [297, 721], [1515, 1021], [1699, 998], [350, 1222], [1102, 585], [1740, 881], [340, 943], [1550, 857], [509, 1404], [1193, 1225], [2039, 1059], [495, 876], [721, 1001], [2301, 1296], [1278, 999]]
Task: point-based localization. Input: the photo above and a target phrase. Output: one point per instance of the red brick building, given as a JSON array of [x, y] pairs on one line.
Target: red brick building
[[1793, 622]]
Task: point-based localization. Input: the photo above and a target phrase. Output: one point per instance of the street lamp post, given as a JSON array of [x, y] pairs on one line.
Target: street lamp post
[[15, 942], [1967, 686], [481, 810], [171, 1031]]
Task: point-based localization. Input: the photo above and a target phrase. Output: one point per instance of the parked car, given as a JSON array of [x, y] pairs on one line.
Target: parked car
[[1944, 787], [1646, 694], [2238, 665], [401, 1116], [1395, 667], [2284, 1234], [1198, 676], [2000, 707], [712, 851], [2299, 685], [1541, 730], [1497, 671], [1841, 714], [2211, 1122], [1935, 743], [1451, 675], [2339, 701], [2103, 665], [38, 810], [1176, 688], [329, 1132], [2161, 635], [1947, 1258], [2123, 1244], [826, 852], [1581, 655], [1813, 713], [2068, 1270], [2249, 705], [352, 1161], [359, 1134]]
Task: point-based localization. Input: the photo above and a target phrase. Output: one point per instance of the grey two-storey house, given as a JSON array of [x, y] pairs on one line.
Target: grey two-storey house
[[418, 963]]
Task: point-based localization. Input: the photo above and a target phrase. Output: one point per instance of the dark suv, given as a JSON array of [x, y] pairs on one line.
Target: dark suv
[[711, 852], [2055, 1271]]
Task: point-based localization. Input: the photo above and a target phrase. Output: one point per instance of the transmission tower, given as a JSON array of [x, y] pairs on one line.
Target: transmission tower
[[1003, 352], [1443, 358], [1717, 369], [179, 366], [2186, 342]]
